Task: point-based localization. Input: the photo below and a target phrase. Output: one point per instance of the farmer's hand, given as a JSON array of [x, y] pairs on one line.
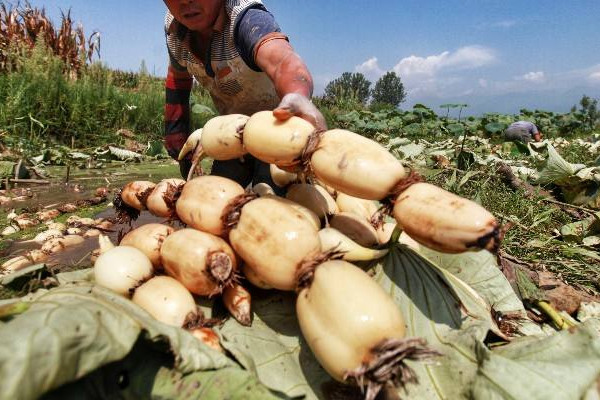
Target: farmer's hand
[[294, 104], [537, 137], [191, 154], [192, 144]]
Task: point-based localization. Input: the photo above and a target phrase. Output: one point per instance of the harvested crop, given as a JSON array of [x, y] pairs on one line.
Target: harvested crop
[[202, 262], [122, 269], [59, 244], [281, 177], [192, 144], [203, 201], [354, 328], [47, 215], [9, 230], [237, 300], [149, 239], [161, 201], [274, 141], [92, 233], [23, 261], [354, 205], [59, 226], [24, 221], [444, 221], [313, 197], [332, 239], [356, 228], [262, 189], [222, 137], [384, 233], [47, 235], [166, 300], [273, 239], [104, 245], [135, 193], [355, 165]]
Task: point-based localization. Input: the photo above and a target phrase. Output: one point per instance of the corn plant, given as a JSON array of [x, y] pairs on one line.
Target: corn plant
[[22, 26]]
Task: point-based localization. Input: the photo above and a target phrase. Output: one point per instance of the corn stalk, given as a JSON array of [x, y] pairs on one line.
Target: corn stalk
[[21, 27]]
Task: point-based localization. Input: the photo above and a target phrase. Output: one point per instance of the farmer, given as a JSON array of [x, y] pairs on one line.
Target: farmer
[[234, 49], [523, 131]]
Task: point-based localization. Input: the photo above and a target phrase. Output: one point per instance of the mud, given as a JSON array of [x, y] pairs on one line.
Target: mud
[[82, 185]]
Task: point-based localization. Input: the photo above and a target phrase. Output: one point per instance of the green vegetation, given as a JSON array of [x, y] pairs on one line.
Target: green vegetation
[[353, 89], [389, 90], [52, 93], [350, 87], [48, 103]]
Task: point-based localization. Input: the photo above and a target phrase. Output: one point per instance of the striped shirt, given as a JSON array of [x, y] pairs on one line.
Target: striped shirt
[[234, 81]]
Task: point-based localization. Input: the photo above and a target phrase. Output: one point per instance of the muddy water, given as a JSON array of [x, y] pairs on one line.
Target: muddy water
[[82, 185]]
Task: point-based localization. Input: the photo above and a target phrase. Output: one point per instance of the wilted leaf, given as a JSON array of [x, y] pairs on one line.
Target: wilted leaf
[[76, 155], [124, 154], [397, 141], [411, 150], [591, 241], [147, 373], [17, 278], [70, 331], [479, 270], [571, 251], [466, 178], [273, 347], [429, 300], [557, 170], [561, 366], [577, 231]]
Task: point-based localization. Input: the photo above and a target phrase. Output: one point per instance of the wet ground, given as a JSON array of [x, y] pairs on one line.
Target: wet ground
[[82, 185]]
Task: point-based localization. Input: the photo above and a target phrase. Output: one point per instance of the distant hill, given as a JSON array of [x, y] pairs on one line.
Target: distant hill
[[549, 100]]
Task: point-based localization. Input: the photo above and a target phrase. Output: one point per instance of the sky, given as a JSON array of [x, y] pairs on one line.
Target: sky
[[494, 55]]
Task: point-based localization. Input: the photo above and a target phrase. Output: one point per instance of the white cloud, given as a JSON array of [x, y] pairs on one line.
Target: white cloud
[[535, 77], [509, 23], [594, 77], [464, 58], [483, 82], [434, 75], [370, 68]]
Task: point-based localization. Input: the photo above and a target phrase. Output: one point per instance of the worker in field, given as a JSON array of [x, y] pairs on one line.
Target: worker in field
[[234, 49], [523, 131]]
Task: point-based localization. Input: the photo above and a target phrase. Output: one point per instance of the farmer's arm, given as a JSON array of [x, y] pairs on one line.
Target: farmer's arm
[[535, 133], [177, 112], [292, 81], [265, 48]]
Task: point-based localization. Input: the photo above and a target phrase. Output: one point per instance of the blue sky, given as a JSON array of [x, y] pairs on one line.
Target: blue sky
[[495, 55]]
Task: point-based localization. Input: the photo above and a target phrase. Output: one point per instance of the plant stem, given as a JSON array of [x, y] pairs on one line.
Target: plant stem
[[395, 235], [558, 321], [13, 309]]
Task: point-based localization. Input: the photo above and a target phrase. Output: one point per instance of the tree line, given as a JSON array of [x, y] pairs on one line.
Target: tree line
[[355, 87]]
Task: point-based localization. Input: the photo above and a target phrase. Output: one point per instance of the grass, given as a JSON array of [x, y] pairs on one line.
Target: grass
[[41, 106], [534, 238]]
